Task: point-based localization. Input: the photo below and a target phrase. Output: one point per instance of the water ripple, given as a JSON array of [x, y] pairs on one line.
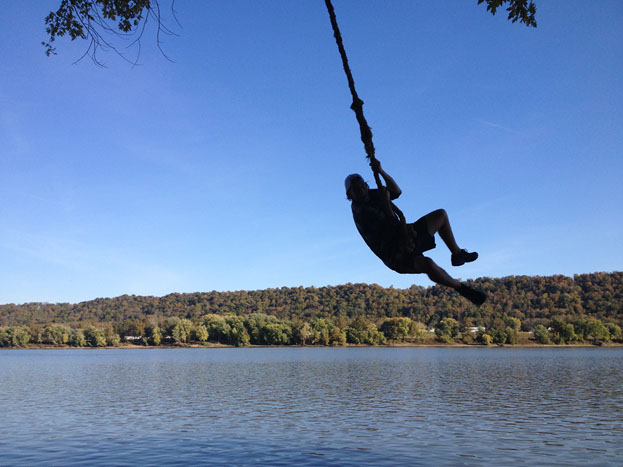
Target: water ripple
[[352, 406]]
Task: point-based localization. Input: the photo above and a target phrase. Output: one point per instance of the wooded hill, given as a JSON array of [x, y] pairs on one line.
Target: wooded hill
[[532, 300]]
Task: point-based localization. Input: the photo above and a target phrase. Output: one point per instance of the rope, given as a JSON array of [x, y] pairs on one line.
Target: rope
[[357, 105]]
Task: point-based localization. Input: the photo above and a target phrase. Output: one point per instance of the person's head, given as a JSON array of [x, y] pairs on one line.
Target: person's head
[[356, 187]]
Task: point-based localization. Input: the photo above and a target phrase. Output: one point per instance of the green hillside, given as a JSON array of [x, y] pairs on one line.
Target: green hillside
[[521, 303]]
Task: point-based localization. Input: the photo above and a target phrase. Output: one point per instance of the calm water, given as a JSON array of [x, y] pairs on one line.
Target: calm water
[[349, 406]]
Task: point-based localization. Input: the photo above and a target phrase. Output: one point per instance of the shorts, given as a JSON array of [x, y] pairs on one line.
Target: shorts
[[424, 241], [420, 240]]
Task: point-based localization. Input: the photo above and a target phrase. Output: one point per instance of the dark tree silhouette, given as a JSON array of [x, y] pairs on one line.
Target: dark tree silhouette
[[523, 11], [102, 21]]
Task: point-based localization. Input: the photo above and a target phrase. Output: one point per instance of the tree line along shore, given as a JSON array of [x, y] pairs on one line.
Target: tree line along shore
[[584, 309]]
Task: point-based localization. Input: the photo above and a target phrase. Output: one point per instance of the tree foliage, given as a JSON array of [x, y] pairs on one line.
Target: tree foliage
[[586, 308], [102, 21], [447, 330], [523, 11], [56, 334], [541, 334], [95, 336], [152, 336], [396, 329], [14, 336], [530, 300]]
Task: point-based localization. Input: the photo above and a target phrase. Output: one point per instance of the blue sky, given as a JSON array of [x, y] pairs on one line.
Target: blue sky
[[223, 170]]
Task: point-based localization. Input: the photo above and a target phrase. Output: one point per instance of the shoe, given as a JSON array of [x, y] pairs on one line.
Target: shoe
[[475, 296], [462, 257]]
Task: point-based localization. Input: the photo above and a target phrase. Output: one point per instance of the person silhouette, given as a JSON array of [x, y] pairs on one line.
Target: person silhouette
[[400, 245]]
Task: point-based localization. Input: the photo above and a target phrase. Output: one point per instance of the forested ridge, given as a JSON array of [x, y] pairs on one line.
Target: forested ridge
[[516, 303]]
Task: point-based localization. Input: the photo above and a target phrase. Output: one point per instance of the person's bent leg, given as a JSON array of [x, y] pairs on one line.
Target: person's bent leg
[[423, 264], [438, 222]]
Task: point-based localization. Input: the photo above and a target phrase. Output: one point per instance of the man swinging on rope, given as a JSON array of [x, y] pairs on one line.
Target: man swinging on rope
[[398, 245]]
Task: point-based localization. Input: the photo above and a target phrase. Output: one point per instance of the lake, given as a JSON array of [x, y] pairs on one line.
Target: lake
[[312, 406]]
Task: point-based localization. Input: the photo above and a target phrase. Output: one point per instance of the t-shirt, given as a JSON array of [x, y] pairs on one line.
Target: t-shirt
[[379, 230]]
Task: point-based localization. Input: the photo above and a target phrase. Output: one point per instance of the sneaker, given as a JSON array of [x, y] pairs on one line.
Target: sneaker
[[475, 296], [462, 257]]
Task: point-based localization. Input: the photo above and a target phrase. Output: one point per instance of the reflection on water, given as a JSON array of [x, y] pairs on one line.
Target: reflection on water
[[346, 406]]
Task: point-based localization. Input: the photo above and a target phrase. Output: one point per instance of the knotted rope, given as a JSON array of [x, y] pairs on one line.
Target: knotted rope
[[357, 105]]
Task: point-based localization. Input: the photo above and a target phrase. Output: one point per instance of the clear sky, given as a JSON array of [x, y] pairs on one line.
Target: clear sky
[[223, 170]]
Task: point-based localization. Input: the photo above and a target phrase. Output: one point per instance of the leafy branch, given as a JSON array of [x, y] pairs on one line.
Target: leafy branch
[[518, 10], [99, 20]]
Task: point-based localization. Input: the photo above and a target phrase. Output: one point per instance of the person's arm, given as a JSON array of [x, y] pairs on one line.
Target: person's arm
[[390, 184], [387, 201]]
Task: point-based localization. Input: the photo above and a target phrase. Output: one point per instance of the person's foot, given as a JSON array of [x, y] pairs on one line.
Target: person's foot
[[475, 296], [462, 257]]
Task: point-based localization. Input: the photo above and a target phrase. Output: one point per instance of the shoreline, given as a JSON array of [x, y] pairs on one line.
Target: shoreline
[[393, 345]]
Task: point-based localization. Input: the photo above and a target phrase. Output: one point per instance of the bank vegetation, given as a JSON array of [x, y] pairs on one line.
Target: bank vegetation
[[587, 308]]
